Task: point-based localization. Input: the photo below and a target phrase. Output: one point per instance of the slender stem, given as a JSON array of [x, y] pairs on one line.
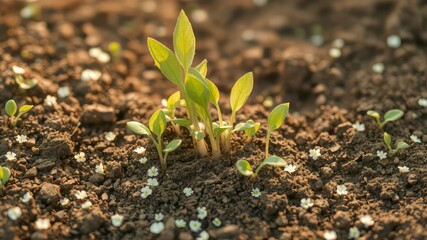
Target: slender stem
[[267, 143], [258, 168], [218, 110]]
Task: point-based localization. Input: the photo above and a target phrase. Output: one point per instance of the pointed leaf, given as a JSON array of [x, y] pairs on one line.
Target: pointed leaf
[[197, 90], [173, 100], [241, 91], [182, 122], [6, 175], [10, 107], [157, 123], [218, 130], [274, 160], [373, 114], [165, 60], [214, 92], [138, 128], [25, 108], [277, 116], [392, 115], [387, 139], [184, 41], [243, 126], [203, 67], [172, 146], [401, 146], [244, 167]]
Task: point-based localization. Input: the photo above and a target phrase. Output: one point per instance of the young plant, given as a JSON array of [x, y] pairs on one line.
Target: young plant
[[389, 116], [157, 125], [4, 175], [115, 50], [171, 104], [21, 81], [275, 120], [400, 145], [11, 108]]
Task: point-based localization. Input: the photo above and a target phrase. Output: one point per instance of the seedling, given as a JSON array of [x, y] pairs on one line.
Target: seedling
[[389, 116], [11, 109], [22, 82], [157, 125], [115, 50], [4, 175], [400, 145], [275, 120]]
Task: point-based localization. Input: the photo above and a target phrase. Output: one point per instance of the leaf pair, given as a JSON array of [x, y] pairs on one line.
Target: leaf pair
[[11, 109], [389, 116], [275, 120], [245, 168], [400, 145]]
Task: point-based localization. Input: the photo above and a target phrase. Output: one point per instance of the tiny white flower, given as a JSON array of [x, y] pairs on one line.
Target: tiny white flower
[[256, 192], [188, 191], [94, 52], [180, 223], [80, 194], [367, 220], [378, 68], [164, 102], [203, 236], [353, 233], [201, 213], [152, 182], [393, 41], [381, 154], [21, 138], [14, 213], [195, 225], [342, 190], [10, 156], [153, 171], [422, 102], [50, 101], [146, 191], [403, 169], [100, 169], [18, 70], [64, 201], [360, 127], [63, 92], [335, 52], [42, 224], [110, 136], [143, 160], [140, 150], [216, 222], [27, 197], [80, 157], [330, 235], [158, 217], [415, 139], [117, 220], [87, 204], [314, 153], [307, 203], [90, 75], [290, 168], [157, 227]]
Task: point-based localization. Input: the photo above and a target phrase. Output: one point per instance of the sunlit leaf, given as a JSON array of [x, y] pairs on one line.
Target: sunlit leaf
[[182, 122], [6, 175], [274, 160], [241, 91], [203, 67], [197, 90], [157, 123], [172, 145], [173, 100], [373, 114], [277, 116], [392, 115], [138, 128], [244, 167], [25, 108], [184, 41], [219, 129], [165, 60], [10, 107]]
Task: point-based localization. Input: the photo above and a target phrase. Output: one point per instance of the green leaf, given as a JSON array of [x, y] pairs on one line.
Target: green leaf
[[274, 160], [165, 60], [172, 145], [184, 41], [241, 91], [401, 146], [218, 130], [197, 90], [250, 132], [214, 92], [203, 67], [173, 100], [6, 175], [138, 128], [277, 116], [1, 174], [392, 115], [25, 83], [243, 126], [10, 107], [244, 167], [387, 139], [157, 123], [199, 135], [25, 108], [373, 114], [182, 122]]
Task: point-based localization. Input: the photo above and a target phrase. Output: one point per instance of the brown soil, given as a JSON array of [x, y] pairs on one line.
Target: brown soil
[[327, 96]]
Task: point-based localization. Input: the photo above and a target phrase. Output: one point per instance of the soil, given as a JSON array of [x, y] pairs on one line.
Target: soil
[[327, 96]]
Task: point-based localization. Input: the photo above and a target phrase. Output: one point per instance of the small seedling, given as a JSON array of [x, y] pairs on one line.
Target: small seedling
[[22, 82], [389, 116], [11, 109], [157, 125], [245, 168], [400, 145], [115, 50], [4, 175]]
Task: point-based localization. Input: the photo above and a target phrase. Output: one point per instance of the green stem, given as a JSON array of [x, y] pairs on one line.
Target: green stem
[[267, 143], [258, 168]]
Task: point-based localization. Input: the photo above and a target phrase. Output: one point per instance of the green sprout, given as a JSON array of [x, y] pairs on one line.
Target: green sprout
[[11, 108], [400, 145], [198, 92], [4, 175], [389, 116], [275, 120], [157, 125], [115, 50], [22, 82]]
